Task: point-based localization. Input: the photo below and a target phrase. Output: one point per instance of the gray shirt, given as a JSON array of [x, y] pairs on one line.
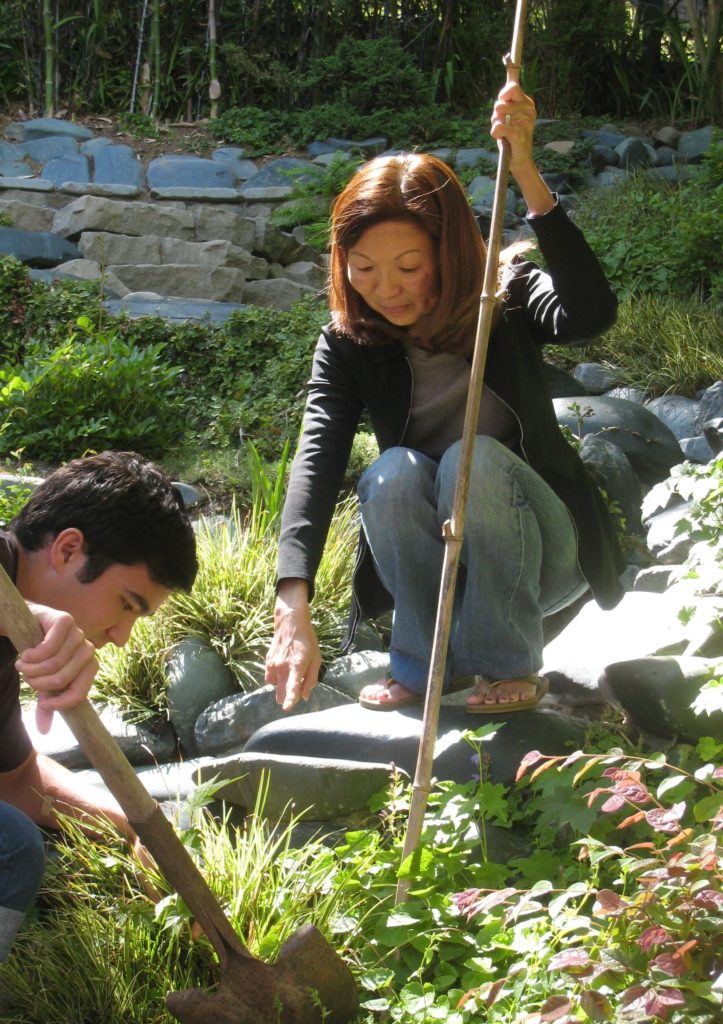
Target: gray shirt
[[440, 382]]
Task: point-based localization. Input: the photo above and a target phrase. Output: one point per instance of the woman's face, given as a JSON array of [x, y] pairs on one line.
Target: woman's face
[[393, 266]]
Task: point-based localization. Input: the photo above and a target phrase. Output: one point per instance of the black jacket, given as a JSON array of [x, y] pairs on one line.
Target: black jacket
[[571, 306]]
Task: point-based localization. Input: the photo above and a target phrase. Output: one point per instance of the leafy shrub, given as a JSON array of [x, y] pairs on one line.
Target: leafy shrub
[[651, 236], [257, 366], [93, 391], [369, 75], [311, 201], [33, 310], [13, 496], [260, 132]]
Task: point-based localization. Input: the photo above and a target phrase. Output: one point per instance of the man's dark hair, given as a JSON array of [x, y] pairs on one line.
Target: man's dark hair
[[128, 511]]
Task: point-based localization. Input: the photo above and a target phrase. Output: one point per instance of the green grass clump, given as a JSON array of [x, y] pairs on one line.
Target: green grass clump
[[661, 344], [230, 608]]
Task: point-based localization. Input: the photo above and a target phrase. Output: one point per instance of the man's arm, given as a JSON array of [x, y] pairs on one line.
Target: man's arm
[[42, 788]]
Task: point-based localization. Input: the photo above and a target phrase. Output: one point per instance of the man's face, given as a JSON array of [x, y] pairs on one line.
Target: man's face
[[107, 608]]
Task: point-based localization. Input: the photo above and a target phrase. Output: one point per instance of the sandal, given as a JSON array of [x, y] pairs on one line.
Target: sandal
[[540, 683], [392, 703]]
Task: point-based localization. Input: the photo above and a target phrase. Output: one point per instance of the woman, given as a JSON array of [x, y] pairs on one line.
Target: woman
[[407, 265]]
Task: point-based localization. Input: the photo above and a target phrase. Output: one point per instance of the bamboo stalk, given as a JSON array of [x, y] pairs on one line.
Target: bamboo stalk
[[156, 57], [453, 529], [214, 88], [49, 57]]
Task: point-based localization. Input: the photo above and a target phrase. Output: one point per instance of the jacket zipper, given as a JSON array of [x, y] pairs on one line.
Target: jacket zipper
[[355, 616]]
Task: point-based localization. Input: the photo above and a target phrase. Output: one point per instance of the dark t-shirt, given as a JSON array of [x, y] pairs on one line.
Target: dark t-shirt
[[15, 745]]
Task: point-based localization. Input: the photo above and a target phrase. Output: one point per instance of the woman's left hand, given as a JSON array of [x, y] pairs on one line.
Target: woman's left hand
[[513, 118]]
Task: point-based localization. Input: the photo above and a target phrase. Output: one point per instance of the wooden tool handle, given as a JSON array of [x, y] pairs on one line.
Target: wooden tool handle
[[142, 811]]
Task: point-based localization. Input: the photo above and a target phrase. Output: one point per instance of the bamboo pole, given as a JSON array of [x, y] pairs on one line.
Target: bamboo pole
[[156, 57], [49, 57], [452, 530], [214, 88]]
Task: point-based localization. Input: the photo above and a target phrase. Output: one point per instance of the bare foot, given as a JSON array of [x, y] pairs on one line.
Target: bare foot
[[387, 693], [503, 693]]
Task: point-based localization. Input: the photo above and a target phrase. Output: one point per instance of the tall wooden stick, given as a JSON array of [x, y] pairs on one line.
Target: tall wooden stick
[[452, 531], [214, 88], [49, 57]]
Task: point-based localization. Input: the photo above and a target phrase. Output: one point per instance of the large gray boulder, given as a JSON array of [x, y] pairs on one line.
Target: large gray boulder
[[42, 127], [650, 446], [27, 216], [197, 677], [678, 413], [278, 293], [62, 169], [228, 723], [327, 789], [172, 171], [640, 626], [711, 406], [108, 248], [37, 248], [141, 743], [94, 213], [118, 165], [183, 280], [175, 311], [356, 733], [613, 473], [212, 222], [658, 694]]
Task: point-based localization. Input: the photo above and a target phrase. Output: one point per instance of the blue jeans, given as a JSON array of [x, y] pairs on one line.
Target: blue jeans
[[518, 559], [22, 862]]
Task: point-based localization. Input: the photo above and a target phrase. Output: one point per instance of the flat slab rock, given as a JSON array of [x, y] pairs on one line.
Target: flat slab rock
[[327, 789], [351, 732]]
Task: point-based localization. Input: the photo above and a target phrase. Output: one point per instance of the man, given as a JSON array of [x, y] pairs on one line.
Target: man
[[101, 541]]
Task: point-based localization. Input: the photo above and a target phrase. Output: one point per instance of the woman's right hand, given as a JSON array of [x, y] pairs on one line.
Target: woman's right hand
[[293, 660]]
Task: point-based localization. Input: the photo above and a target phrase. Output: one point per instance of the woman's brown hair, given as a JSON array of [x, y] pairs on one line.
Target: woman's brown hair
[[423, 189]]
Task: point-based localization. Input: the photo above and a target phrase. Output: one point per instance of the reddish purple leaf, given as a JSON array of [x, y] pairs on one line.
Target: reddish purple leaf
[[613, 803], [464, 900], [669, 964], [596, 1005], [555, 1007], [532, 757], [666, 820], [709, 898], [608, 904], [654, 936], [652, 1002], [491, 900], [573, 960], [572, 758], [635, 793]]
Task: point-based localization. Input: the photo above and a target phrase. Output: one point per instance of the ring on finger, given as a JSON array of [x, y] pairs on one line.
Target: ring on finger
[[508, 120]]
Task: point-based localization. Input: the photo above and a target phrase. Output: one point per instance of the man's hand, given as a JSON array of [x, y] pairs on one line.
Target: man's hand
[[294, 659], [61, 668]]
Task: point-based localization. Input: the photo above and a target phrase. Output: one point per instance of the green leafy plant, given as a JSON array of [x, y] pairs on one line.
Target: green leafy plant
[[15, 493], [93, 391], [624, 225]]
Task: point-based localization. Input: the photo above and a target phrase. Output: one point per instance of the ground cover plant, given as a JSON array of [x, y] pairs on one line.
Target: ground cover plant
[[612, 912], [588, 890]]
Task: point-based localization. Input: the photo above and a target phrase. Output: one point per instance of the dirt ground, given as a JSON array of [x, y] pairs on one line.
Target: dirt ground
[[169, 137]]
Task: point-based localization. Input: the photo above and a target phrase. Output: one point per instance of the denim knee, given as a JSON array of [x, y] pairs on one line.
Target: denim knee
[[22, 859], [410, 472]]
